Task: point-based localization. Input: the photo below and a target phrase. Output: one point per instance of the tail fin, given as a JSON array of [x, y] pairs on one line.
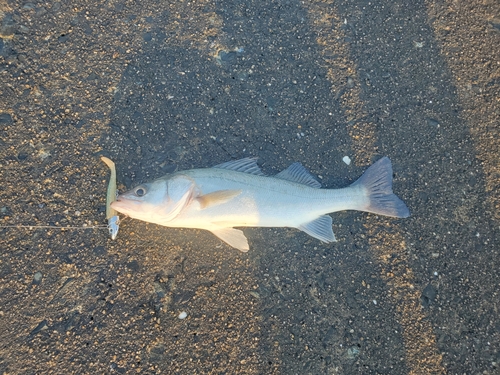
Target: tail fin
[[377, 182]]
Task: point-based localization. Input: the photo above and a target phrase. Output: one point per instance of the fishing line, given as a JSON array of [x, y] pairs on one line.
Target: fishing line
[[112, 216], [55, 227], [84, 226]]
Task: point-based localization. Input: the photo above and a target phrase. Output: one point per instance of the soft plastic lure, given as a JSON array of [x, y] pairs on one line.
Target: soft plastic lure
[[111, 214]]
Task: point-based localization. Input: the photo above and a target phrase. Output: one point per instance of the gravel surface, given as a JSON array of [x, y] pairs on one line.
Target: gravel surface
[[160, 86]]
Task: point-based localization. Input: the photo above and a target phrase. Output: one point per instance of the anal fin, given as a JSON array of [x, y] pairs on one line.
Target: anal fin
[[320, 228], [233, 237]]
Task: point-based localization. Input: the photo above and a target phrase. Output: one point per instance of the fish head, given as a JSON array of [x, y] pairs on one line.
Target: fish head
[[156, 202], [142, 201]]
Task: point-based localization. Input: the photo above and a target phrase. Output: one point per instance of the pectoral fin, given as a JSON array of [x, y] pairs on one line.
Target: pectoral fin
[[216, 197], [233, 237], [320, 228]]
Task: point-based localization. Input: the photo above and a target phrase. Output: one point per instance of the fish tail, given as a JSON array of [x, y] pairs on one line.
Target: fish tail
[[377, 184]]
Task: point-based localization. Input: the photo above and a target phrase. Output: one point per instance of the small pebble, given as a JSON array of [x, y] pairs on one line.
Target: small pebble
[[5, 118], [183, 315], [254, 294], [37, 278], [347, 160], [352, 352]]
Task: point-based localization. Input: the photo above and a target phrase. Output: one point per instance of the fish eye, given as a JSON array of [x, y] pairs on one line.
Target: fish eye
[[140, 191]]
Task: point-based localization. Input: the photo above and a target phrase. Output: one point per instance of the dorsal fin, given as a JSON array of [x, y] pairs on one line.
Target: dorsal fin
[[246, 165], [297, 173]]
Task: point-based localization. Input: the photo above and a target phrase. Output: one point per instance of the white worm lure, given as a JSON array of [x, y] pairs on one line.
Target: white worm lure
[[111, 214]]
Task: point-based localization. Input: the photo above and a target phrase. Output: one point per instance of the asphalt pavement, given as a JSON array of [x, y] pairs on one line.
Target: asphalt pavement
[[163, 86]]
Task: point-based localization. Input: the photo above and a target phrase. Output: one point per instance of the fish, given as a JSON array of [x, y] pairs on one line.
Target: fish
[[238, 194]]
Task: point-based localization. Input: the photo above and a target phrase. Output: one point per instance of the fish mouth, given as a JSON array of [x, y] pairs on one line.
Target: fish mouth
[[116, 204], [121, 199], [122, 204]]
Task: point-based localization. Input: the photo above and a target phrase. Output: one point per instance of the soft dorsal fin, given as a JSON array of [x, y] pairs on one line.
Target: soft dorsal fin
[[246, 165], [297, 173], [217, 197]]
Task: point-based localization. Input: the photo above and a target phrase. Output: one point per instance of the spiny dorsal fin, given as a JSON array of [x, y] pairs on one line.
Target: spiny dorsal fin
[[297, 173], [217, 197], [246, 165], [320, 228]]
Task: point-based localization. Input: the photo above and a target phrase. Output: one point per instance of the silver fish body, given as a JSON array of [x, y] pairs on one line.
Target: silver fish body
[[237, 194]]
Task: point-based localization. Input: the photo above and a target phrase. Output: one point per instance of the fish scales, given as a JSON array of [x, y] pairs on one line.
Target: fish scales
[[266, 201]]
